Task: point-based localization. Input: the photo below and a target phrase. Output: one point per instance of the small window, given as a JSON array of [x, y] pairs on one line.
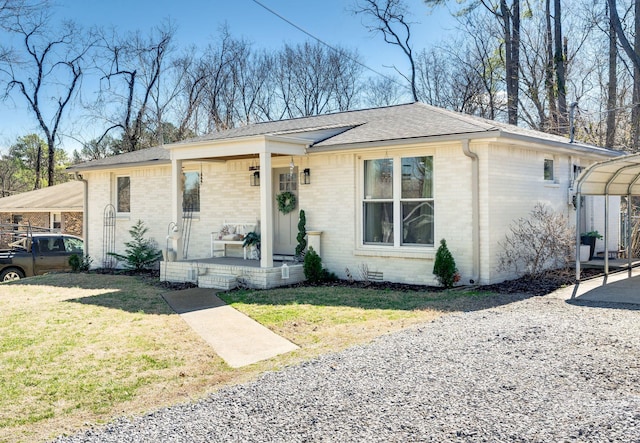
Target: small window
[[191, 192], [16, 220], [56, 221], [123, 194], [548, 170]]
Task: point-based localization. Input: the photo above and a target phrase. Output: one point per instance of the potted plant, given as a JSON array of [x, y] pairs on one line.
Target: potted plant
[[589, 238], [252, 241]]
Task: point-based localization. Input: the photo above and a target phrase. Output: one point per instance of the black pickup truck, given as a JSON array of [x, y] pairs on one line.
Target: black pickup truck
[[37, 254]]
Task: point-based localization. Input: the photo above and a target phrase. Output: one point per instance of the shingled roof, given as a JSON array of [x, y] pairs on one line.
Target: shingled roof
[[345, 129]]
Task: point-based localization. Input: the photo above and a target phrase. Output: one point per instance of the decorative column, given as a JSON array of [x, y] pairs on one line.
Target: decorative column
[[266, 211], [176, 203]]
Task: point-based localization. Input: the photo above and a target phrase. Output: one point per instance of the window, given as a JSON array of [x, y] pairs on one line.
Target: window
[[378, 204], [56, 221], [401, 186], [191, 192], [548, 169], [123, 194], [417, 200]]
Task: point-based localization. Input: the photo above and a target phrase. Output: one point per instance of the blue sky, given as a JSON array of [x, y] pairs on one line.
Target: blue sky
[[199, 21]]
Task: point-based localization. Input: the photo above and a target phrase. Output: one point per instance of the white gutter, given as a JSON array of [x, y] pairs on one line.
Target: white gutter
[[475, 210]]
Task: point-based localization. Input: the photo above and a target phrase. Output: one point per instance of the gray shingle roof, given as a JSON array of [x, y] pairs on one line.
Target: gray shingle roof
[[63, 197], [400, 122]]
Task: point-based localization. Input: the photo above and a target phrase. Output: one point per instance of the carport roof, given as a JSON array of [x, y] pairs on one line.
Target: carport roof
[[618, 176]]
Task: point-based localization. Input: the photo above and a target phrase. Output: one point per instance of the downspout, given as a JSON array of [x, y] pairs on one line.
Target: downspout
[[85, 213], [475, 210]]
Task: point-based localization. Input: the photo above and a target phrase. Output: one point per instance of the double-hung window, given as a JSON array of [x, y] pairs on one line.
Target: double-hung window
[[398, 204]]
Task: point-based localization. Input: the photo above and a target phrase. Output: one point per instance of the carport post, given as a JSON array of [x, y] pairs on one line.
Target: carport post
[[606, 234], [578, 208], [628, 233]]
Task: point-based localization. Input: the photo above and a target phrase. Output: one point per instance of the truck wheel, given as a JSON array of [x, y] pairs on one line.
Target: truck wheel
[[11, 274]]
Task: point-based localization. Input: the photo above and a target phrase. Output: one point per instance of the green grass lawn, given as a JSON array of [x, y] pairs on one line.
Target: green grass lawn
[[78, 349]]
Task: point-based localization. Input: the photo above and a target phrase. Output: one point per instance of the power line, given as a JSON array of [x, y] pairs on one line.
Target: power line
[[327, 44]]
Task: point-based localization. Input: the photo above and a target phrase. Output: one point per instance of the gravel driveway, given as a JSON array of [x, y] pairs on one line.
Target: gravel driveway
[[536, 370]]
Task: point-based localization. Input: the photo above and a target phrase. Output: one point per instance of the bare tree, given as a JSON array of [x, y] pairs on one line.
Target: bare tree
[[388, 17], [382, 91], [612, 87], [508, 15], [130, 73], [308, 78], [46, 73], [634, 56]]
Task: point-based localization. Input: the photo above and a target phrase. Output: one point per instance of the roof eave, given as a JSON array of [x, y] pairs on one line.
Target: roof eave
[[79, 168]]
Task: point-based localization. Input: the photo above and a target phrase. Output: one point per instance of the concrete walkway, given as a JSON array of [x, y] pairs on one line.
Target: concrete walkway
[[235, 337], [618, 288]]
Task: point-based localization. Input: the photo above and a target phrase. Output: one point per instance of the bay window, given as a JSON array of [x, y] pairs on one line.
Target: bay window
[[398, 205]]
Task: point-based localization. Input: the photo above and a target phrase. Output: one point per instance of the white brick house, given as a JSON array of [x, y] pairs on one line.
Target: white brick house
[[386, 185]]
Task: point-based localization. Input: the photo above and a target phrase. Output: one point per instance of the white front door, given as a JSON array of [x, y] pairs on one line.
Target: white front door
[[285, 226]]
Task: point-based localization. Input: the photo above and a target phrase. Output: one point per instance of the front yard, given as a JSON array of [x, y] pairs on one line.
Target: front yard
[[82, 349]]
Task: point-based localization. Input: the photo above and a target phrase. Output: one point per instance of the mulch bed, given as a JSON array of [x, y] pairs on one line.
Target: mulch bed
[[539, 285]]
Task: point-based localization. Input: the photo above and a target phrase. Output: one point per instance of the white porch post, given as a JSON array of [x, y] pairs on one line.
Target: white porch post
[[266, 211], [176, 201]]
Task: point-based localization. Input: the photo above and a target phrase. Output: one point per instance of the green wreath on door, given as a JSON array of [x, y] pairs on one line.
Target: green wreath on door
[[286, 202]]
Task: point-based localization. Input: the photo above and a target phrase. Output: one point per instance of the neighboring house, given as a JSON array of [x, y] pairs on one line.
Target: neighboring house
[[57, 208], [384, 186]]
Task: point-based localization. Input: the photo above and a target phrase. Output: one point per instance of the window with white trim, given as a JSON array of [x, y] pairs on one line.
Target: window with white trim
[[548, 170], [56, 221], [123, 194], [398, 198], [191, 191]]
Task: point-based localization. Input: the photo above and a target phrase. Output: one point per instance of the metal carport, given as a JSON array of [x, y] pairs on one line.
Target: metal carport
[[617, 177]]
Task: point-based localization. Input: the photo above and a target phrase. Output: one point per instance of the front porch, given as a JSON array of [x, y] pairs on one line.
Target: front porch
[[227, 273]]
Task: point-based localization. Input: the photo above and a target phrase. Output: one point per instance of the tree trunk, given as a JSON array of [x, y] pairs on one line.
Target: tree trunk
[[551, 124], [612, 88], [635, 111], [511, 26], [560, 70]]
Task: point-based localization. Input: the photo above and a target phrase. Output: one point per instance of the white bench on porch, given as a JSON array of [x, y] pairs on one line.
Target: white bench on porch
[[231, 233]]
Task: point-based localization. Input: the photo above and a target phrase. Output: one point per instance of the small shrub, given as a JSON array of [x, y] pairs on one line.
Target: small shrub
[[80, 263], [313, 271], [302, 233], [444, 267], [140, 253], [312, 266]]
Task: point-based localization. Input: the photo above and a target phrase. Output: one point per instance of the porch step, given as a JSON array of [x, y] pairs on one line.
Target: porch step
[[218, 281]]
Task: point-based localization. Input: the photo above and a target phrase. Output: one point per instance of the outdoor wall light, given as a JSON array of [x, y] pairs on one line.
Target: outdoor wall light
[[254, 179], [305, 176]]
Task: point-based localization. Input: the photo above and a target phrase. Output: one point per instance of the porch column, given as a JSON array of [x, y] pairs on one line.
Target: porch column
[[176, 202], [266, 211]]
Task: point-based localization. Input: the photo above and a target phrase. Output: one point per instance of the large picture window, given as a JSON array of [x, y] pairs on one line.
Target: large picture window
[[191, 192], [123, 203], [398, 186]]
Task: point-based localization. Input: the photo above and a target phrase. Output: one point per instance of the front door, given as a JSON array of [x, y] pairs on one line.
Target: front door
[[285, 226]]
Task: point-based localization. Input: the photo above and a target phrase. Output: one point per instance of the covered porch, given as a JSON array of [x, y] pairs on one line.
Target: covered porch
[[268, 155]]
